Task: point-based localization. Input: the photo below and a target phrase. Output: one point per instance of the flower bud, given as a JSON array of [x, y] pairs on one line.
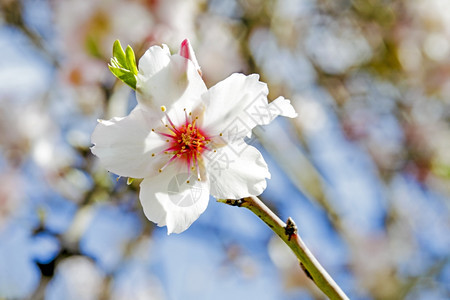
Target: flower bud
[[187, 52]]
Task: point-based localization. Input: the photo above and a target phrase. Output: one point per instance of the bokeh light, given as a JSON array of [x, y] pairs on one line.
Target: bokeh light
[[364, 170]]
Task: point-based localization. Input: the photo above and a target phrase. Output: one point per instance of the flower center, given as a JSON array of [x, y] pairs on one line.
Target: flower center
[[186, 142]]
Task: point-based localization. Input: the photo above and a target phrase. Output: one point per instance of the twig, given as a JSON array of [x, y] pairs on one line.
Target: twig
[[288, 233]]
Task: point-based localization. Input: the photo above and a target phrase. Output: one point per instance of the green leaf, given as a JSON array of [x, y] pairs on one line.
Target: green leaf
[[91, 44], [123, 64], [131, 60], [118, 53], [126, 76], [441, 170]]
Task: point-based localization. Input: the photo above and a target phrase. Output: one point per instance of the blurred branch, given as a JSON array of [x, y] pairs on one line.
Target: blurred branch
[[303, 173], [12, 14], [426, 277], [288, 233]]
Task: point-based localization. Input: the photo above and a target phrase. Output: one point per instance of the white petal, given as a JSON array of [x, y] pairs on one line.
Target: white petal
[[226, 103], [168, 200], [154, 60], [237, 104], [279, 107], [165, 79], [125, 145], [236, 171]]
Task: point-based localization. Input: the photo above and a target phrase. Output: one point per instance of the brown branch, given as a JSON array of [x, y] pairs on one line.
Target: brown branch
[[288, 233]]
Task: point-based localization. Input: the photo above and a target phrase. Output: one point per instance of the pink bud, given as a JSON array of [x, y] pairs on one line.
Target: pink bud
[[187, 52]]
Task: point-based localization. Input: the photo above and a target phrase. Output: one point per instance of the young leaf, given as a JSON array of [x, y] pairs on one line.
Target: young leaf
[[125, 75], [119, 54], [123, 64], [131, 60]]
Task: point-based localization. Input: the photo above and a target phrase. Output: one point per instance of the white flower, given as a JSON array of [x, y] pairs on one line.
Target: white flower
[[186, 141]]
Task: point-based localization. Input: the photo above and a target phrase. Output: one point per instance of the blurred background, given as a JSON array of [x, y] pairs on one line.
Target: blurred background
[[364, 170]]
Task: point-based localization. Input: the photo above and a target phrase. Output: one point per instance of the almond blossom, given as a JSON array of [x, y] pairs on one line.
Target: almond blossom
[[187, 141]]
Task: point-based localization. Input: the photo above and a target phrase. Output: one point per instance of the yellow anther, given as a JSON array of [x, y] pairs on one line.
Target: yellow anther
[[163, 108], [153, 154]]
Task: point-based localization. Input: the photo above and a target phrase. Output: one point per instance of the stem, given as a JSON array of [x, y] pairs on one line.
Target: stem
[[288, 233]]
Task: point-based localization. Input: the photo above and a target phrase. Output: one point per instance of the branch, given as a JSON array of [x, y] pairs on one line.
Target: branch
[[288, 233]]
